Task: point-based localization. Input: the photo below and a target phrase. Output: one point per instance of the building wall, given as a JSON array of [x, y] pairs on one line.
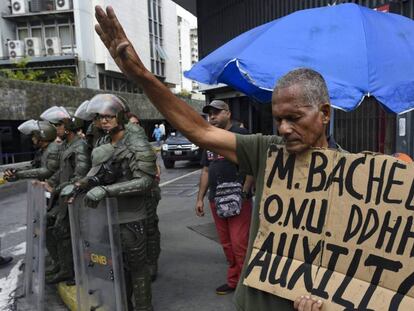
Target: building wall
[[84, 31], [133, 15], [21, 100], [185, 54], [170, 34], [7, 29], [186, 23]]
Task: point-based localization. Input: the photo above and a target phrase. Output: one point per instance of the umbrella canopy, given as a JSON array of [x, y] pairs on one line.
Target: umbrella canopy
[[359, 51]]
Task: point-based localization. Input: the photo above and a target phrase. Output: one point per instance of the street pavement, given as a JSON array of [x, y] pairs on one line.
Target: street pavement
[[191, 266]]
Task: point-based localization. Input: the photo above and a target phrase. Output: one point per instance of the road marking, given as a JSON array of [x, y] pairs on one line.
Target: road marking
[[16, 250], [8, 285], [2, 235], [192, 193], [178, 178]]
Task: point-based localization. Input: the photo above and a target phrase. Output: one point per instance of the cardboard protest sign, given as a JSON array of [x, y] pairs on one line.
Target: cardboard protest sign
[[337, 226]]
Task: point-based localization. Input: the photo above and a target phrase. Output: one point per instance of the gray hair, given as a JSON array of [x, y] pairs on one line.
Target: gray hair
[[313, 85]]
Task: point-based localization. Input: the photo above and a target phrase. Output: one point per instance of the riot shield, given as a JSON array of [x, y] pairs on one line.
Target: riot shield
[[34, 276], [97, 256]]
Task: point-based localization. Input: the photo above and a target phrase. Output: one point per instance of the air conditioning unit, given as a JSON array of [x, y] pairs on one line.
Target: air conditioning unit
[[19, 6], [33, 46], [52, 46], [16, 48], [63, 5]]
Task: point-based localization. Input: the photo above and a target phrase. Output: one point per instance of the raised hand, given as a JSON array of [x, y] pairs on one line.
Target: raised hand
[[113, 36]]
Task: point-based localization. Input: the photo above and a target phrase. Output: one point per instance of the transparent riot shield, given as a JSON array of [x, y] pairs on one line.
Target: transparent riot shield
[[97, 256], [34, 275]]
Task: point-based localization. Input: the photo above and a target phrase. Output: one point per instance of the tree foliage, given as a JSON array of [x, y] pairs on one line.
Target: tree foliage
[[65, 77], [20, 71], [184, 93]]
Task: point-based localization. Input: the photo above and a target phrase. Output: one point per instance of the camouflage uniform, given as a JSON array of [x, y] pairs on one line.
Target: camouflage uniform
[[74, 164], [93, 134], [153, 234], [49, 164], [46, 161], [133, 164]]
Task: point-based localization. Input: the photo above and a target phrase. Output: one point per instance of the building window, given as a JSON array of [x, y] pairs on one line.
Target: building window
[[50, 32], [64, 35], [22, 33], [118, 84], [158, 54], [37, 33], [61, 28]]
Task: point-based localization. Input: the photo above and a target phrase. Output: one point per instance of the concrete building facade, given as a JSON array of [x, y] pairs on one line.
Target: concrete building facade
[[62, 35], [188, 48]]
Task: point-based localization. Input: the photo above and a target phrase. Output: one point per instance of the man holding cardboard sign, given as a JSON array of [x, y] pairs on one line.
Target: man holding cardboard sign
[[315, 229]]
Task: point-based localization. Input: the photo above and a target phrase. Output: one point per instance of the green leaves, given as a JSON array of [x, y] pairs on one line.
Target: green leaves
[[20, 71]]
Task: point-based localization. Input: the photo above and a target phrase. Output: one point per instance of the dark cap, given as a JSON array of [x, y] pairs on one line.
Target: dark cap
[[216, 104]]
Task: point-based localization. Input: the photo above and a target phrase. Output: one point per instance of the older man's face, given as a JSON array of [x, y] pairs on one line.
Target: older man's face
[[300, 123]]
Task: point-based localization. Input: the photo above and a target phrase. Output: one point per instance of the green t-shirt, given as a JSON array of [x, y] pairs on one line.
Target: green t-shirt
[[251, 154]]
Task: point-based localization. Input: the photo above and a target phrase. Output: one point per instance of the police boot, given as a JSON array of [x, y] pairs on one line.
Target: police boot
[[134, 239], [52, 265], [142, 293], [65, 262], [153, 252], [153, 242]]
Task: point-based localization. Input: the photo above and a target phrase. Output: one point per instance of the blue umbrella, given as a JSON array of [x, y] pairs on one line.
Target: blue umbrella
[[359, 51]]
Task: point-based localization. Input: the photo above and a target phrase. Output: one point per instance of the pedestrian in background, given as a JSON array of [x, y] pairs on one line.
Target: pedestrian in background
[[157, 134], [229, 196], [162, 129]]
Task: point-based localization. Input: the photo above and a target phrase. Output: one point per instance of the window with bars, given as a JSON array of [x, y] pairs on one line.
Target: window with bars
[[157, 51]]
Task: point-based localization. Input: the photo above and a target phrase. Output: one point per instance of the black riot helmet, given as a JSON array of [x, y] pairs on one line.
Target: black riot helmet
[[65, 115], [43, 130], [109, 104]]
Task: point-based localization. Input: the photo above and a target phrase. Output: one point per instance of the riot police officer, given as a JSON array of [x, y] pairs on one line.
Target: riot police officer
[[94, 134], [94, 131], [73, 165], [43, 135], [129, 175]]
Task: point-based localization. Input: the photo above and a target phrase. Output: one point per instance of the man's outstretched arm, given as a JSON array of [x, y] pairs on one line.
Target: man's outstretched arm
[[183, 117]]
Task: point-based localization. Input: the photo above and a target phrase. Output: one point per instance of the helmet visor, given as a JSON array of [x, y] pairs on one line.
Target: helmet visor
[[28, 127], [82, 112], [55, 114], [105, 104]]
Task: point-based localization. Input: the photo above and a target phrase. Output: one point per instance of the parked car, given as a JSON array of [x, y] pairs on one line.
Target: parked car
[[176, 148]]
